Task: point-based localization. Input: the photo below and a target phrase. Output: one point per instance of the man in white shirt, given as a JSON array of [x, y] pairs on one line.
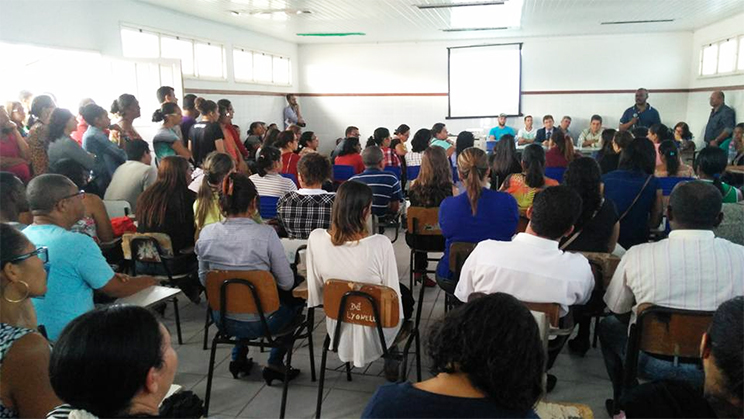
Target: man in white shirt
[[531, 267], [691, 270], [592, 136], [133, 177]]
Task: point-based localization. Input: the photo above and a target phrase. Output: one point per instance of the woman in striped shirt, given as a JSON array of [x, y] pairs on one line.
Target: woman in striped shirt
[[268, 181]]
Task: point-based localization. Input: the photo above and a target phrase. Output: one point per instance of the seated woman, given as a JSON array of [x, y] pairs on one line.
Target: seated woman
[[418, 144], [635, 192], [39, 115], [671, 164], [288, 143], [658, 133], [233, 146], [737, 145], [239, 243], [366, 258], [25, 390], [709, 166], [428, 190], [523, 186], [207, 206], [268, 181], [382, 139], [122, 341], [95, 141], [14, 152], [309, 143], [302, 211], [488, 360], [596, 230], [95, 223], [166, 142], [350, 155], [465, 140], [606, 156], [17, 115], [504, 161], [476, 215], [722, 395], [560, 150], [440, 138], [61, 145], [128, 109]]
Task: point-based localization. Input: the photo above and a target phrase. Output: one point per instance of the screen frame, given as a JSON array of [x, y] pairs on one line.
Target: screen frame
[[449, 87]]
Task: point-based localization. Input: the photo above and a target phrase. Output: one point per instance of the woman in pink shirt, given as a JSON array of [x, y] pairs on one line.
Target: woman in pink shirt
[[14, 152]]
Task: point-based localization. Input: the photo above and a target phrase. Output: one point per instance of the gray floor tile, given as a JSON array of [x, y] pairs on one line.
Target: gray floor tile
[[301, 402], [229, 396], [344, 404]]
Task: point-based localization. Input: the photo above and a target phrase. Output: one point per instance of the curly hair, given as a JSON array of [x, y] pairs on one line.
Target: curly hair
[[495, 341], [314, 168]]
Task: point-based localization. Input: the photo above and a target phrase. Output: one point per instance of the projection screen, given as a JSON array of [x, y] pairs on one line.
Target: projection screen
[[485, 80]]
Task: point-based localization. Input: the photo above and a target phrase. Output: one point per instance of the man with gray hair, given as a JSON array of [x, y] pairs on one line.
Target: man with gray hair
[[386, 189], [76, 265], [721, 122]]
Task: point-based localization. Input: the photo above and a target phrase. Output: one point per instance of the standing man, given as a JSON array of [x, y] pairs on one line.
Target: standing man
[[721, 121], [497, 132], [641, 114], [292, 113], [166, 94]]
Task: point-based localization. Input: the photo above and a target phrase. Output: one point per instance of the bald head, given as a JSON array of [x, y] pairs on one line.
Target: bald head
[[717, 98], [695, 206], [45, 191]]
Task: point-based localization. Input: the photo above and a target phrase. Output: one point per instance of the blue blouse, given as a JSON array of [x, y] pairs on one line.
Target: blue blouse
[[622, 186]]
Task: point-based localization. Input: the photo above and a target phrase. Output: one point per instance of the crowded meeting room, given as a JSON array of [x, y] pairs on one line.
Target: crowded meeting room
[[372, 209]]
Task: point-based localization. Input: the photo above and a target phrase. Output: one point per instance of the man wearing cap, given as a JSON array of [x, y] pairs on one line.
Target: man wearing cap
[[497, 132], [641, 114]]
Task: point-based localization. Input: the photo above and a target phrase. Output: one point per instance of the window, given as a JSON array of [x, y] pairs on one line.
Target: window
[[722, 57], [260, 67], [200, 59]]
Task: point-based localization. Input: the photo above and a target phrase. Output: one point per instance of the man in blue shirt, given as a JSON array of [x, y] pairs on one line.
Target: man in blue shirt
[[292, 115], [497, 132], [385, 186], [721, 122], [641, 114], [76, 265]]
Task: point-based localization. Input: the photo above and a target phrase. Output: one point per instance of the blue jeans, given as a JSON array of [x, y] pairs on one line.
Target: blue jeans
[[254, 330], [613, 335]]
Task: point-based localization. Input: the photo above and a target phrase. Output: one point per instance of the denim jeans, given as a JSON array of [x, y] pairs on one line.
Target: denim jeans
[[613, 335], [254, 330]]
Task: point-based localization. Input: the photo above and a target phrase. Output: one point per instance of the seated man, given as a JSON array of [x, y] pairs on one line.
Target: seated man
[[385, 186], [531, 267], [76, 264], [691, 270], [502, 129], [302, 211], [133, 177], [14, 200], [592, 136]]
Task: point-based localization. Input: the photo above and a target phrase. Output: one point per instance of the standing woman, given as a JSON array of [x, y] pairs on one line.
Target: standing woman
[[17, 115], [61, 145], [189, 117], [127, 108], [95, 141], [476, 215], [25, 390], [309, 143], [206, 135], [419, 143], [287, 142], [382, 139], [166, 142], [14, 152], [232, 136], [523, 186], [504, 161], [41, 111]]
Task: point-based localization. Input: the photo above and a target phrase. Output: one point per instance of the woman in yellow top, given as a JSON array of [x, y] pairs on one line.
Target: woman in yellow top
[[523, 186], [206, 208]]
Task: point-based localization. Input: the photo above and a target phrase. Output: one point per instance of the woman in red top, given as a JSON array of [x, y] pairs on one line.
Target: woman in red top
[[350, 155], [383, 139], [233, 146], [287, 142], [14, 153], [561, 151]]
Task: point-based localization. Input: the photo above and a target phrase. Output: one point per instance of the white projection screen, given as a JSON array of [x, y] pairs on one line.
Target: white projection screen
[[485, 80]]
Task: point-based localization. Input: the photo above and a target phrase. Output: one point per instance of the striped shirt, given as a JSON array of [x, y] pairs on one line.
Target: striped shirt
[[691, 270], [385, 188], [272, 184]]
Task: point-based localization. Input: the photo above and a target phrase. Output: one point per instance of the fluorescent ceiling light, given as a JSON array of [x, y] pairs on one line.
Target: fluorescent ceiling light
[[630, 22], [460, 4], [473, 29], [333, 34]]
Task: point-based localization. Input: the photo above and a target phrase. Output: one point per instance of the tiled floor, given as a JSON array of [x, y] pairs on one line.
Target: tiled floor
[[580, 380]]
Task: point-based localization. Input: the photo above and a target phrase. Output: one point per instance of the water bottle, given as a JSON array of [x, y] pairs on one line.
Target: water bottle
[[731, 151]]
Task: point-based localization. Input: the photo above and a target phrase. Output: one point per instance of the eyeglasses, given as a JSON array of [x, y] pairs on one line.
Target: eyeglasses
[[41, 252], [78, 193]]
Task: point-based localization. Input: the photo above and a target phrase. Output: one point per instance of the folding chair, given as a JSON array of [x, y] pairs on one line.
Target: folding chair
[[155, 248], [366, 305], [251, 292], [665, 332], [342, 173], [387, 221], [394, 170], [291, 177], [267, 206], [555, 173], [412, 172], [423, 224], [459, 252]]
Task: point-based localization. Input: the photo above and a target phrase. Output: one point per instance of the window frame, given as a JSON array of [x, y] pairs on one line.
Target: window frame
[[739, 46], [253, 64]]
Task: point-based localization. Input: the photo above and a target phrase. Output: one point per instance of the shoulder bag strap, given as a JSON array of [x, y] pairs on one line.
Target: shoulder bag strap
[[578, 233], [648, 179]]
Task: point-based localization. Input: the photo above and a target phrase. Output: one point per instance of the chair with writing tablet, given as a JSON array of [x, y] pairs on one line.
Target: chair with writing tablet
[[459, 252], [377, 306], [423, 226]]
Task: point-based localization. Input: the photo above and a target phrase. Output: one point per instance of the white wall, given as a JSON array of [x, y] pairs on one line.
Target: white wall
[[578, 64], [698, 108], [94, 25]]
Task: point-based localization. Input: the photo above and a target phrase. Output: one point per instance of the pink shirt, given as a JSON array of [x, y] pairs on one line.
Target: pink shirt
[[9, 149]]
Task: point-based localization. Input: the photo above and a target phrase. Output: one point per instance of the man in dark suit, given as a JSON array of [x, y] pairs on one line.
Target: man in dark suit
[[544, 133]]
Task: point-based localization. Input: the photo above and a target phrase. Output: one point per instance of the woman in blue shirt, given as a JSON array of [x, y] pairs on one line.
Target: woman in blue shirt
[[476, 215], [636, 192]]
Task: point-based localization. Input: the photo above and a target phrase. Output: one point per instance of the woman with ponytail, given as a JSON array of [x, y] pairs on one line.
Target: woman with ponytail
[[128, 109], [239, 243], [268, 181], [658, 133], [560, 150], [38, 133], [671, 164], [523, 186], [476, 215], [166, 142], [206, 135], [709, 166], [207, 208], [382, 139]]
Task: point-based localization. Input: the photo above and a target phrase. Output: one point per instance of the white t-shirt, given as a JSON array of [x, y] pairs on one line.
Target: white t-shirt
[[272, 184], [372, 261], [530, 268], [527, 135]]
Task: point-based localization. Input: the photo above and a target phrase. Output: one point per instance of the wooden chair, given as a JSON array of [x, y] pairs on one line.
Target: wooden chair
[[665, 332], [459, 252], [423, 223], [366, 305], [155, 248], [603, 267], [251, 292]]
